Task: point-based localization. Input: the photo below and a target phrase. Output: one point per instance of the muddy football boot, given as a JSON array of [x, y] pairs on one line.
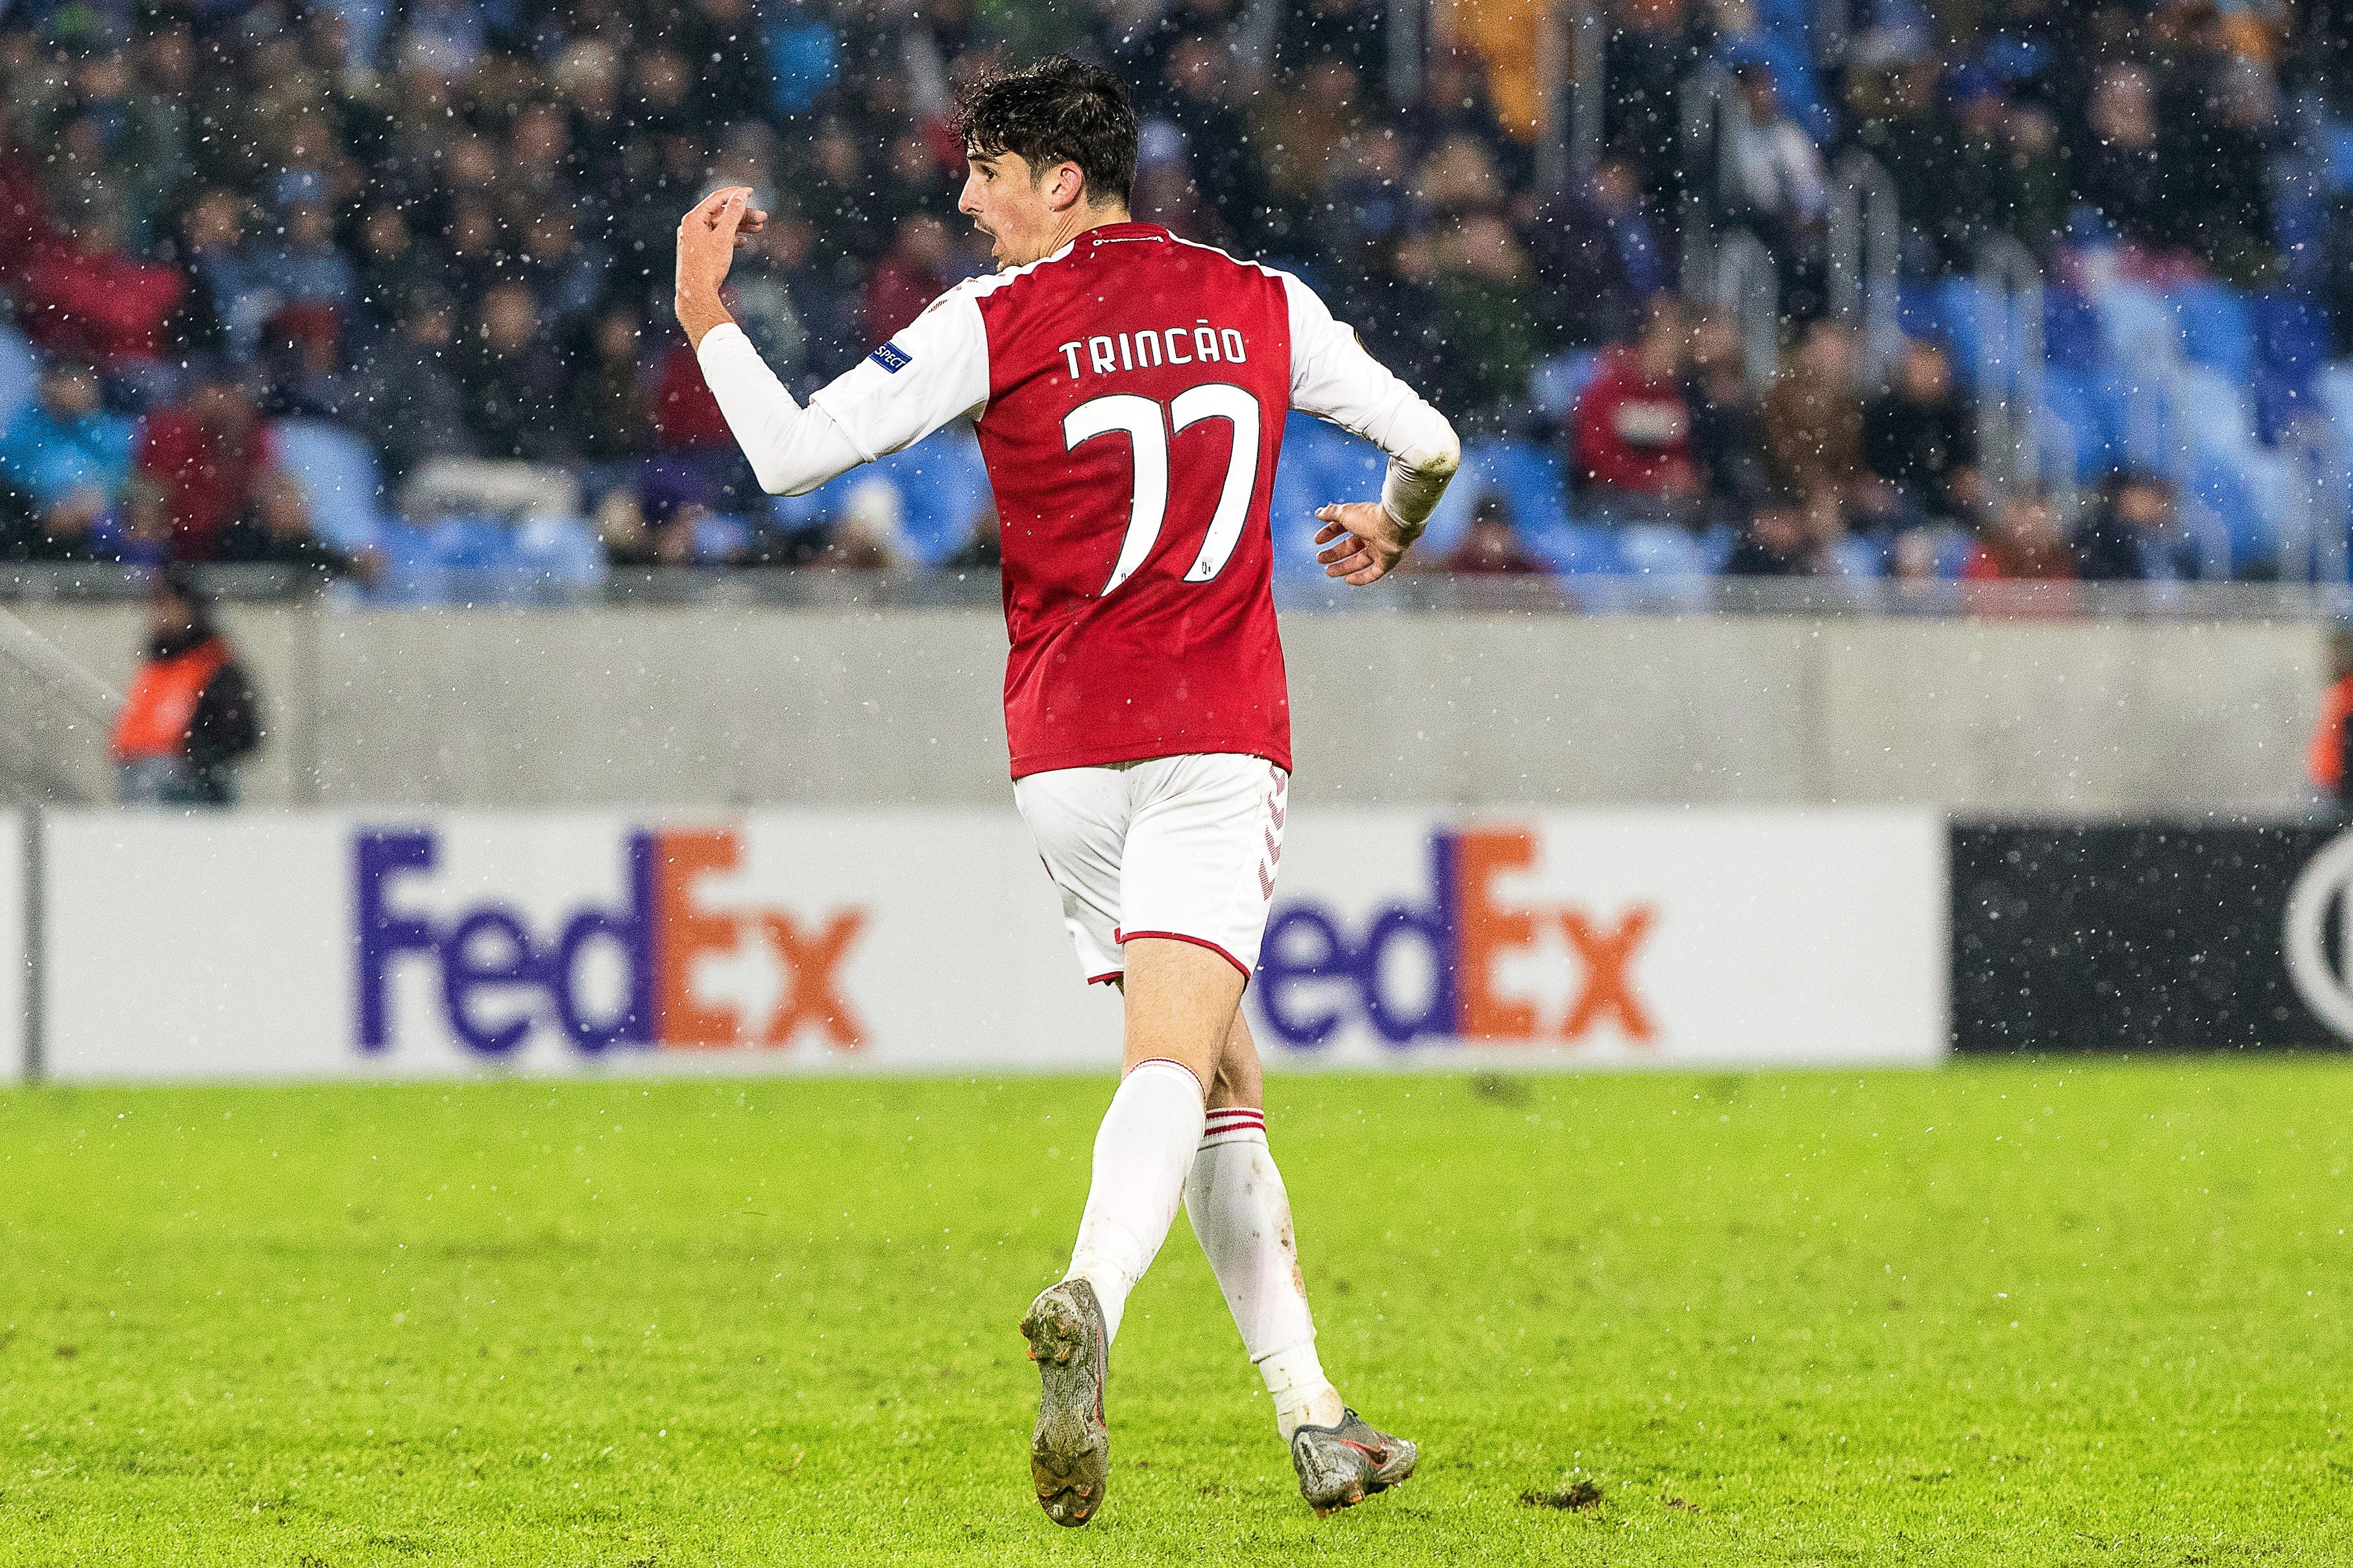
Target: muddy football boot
[[1069, 1454], [1339, 1466]]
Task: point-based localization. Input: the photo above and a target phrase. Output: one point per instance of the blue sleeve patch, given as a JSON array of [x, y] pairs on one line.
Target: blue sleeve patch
[[891, 357]]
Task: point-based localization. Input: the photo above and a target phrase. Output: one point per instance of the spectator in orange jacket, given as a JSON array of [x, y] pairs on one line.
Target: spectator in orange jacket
[[191, 714], [2324, 764]]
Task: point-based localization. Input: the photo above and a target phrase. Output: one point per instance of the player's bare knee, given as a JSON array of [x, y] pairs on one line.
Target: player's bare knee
[[1181, 1002]]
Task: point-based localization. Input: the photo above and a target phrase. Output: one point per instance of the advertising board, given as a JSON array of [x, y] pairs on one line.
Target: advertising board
[[351, 944], [2151, 938]]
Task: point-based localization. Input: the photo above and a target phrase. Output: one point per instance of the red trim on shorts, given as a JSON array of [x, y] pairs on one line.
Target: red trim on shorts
[[1124, 937], [1107, 977]]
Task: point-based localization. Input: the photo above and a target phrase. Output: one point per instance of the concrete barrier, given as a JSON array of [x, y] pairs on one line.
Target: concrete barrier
[[723, 705]]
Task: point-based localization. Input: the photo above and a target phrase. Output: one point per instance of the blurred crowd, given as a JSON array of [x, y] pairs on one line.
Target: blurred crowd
[[444, 227]]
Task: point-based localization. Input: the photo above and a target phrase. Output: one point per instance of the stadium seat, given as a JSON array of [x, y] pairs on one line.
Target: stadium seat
[[1527, 477], [1578, 549], [1955, 546], [2339, 148], [1860, 557], [1559, 381], [20, 372], [2071, 328], [718, 536], [943, 487], [1321, 464], [411, 575], [1983, 328], [2292, 335], [1664, 550], [338, 473], [472, 543], [2242, 489], [2074, 422], [2211, 409], [562, 551], [2217, 329], [2138, 326]]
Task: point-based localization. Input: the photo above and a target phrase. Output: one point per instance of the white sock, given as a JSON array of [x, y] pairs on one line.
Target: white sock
[[1141, 1152], [1242, 1215]]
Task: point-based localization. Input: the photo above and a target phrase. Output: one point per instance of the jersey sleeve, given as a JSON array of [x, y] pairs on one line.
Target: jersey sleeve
[[934, 369], [1335, 379], [792, 449]]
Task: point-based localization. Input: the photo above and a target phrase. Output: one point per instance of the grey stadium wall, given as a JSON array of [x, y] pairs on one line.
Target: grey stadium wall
[[735, 708]]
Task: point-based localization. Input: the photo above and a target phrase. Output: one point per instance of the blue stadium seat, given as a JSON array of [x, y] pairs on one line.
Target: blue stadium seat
[[20, 371], [2212, 409], [1661, 550], [1981, 326], [560, 550], [2074, 422], [472, 545], [943, 487], [718, 536], [2227, 483], [2291, 335], [2341, 159], [1579, 549], [2137, 325], [1962, 311], [1955, 546], [338, 473], [1559, 381], [1860, 558], [1919, 310], [2071, 328], [2217, 329], [1320, 464], [412, 574], [1526, 476]]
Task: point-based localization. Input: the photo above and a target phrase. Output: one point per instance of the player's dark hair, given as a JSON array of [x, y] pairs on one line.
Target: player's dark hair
[[1057, 110]]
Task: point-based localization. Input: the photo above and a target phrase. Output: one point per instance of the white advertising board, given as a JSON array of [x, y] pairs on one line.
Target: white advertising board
[[14, 1040], [1666, 937], [355, 944]]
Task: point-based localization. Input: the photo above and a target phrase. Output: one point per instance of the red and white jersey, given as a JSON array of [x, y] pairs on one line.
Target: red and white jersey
[[1130, 392]]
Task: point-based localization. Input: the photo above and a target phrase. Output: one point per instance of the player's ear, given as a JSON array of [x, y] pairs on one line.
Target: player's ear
[[1066, 186]]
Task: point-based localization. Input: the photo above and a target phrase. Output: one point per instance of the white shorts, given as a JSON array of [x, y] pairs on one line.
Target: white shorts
[[1177, 847]]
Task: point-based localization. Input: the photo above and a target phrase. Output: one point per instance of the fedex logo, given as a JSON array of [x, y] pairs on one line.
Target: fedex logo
[[1316, 975], [499, 978]]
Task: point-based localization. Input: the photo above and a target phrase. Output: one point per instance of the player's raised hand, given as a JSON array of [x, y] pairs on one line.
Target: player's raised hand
[[1364, 542], [707, 238]]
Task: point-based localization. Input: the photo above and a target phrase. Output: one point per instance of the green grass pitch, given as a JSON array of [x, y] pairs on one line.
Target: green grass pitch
[[2061, 1312]]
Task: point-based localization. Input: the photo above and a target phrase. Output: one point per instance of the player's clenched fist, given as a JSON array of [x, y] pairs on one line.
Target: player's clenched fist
[[707, 238], [1365, 539]]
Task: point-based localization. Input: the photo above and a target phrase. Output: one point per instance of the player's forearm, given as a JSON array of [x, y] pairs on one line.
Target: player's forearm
[[792, 449], [699, 313], [1423, 456]]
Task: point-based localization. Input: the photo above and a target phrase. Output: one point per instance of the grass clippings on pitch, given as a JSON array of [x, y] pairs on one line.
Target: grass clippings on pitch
[[2060, 1313]]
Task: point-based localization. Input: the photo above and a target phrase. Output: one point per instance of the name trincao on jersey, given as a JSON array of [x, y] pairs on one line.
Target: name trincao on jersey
[[1199, 343]]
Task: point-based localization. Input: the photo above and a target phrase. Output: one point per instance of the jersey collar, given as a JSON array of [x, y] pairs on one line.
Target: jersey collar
[[1119, 231]]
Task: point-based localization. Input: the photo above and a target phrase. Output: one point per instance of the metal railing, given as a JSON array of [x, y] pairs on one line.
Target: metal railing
[[2009, 353], [774, 589], [1866, 256], [1746, 288]]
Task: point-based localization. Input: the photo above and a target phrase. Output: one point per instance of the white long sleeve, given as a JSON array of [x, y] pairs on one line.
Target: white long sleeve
[[1335, 379], [792, 449]]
